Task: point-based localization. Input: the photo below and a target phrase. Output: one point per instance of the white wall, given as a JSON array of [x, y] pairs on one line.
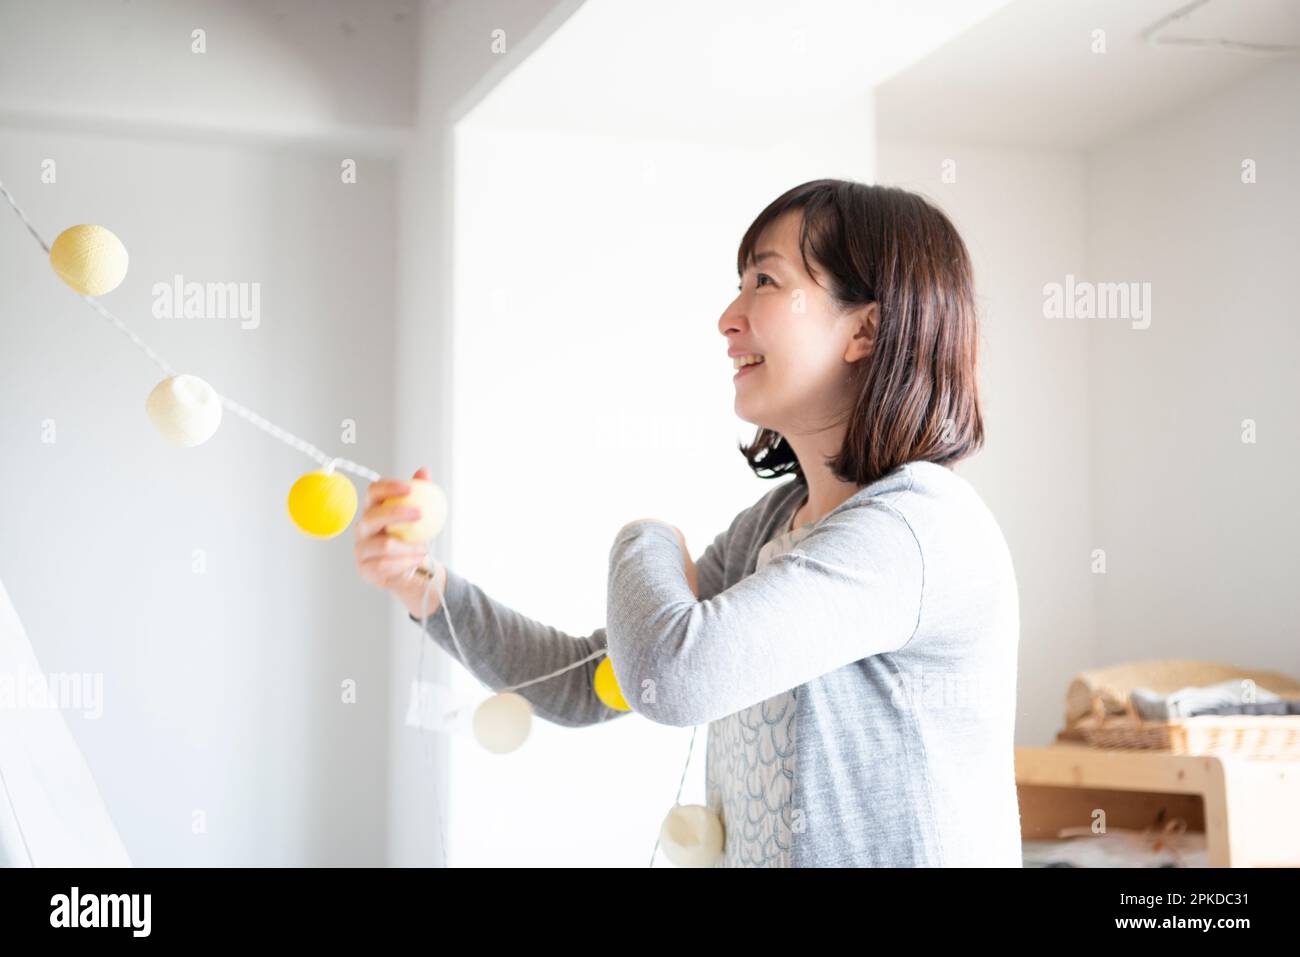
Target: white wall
[[1199, 528], [222, 689], [1103, 436], [457, 66], [1021, 213]]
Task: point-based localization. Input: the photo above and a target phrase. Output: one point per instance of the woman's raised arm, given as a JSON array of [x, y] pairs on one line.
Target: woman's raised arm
[[502, 647]]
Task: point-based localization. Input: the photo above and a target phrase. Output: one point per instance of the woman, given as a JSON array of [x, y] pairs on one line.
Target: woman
[[851, 638]]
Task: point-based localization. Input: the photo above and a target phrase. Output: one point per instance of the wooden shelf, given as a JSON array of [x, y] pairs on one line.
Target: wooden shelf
[[1247, 808]]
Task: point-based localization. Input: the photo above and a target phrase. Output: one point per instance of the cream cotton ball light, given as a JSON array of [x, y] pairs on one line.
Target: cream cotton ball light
[[502, 722], [430, 499], [184, 409], [691, 836], [89, 258]]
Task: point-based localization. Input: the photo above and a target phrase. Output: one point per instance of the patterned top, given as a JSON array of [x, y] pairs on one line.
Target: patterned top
[[749, 770]]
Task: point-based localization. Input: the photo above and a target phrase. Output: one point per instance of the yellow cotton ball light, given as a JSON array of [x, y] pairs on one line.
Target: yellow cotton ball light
[[430, 499], [90, 259], [691, 836], [322, 503], [607, 689], [502, 722], [184, 409]]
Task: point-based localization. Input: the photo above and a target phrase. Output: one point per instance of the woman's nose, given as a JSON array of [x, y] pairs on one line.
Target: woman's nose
[[732, 319]]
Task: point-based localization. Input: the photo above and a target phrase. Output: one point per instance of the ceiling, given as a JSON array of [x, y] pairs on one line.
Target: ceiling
[[738, 71], [1004, 72], [1027, 76]]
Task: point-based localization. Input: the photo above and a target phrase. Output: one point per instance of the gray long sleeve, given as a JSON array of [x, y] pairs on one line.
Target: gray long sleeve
[[855, 581], [503, 648], [850, 589]]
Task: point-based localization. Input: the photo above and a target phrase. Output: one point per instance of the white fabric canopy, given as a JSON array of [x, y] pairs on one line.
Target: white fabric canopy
[[51, 813]]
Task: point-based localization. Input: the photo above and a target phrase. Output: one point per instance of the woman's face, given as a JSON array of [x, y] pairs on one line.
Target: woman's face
[[808, 348]]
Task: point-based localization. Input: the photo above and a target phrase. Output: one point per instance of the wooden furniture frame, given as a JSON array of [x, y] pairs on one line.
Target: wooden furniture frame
[[1248, 808]]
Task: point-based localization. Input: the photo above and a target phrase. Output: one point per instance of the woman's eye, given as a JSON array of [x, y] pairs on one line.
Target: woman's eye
[[761, 275], [764, 275]]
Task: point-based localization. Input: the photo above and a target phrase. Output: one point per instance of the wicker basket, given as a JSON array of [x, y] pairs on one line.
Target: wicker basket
[[1245, 735]]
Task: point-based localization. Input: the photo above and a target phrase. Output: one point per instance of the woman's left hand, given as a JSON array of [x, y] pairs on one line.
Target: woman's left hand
[[688, 564]]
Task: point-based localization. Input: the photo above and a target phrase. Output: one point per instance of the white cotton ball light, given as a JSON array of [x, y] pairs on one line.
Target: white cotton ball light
[[502, 722], [691, 836], [184, 409]]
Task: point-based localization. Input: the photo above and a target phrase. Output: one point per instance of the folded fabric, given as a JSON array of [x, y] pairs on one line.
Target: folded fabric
[[1107, 689], [1282, 707], [1235, 696]]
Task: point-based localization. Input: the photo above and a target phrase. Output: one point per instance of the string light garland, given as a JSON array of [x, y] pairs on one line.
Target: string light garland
[[186, 411]]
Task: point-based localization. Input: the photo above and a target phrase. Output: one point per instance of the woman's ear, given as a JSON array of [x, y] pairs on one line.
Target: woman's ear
[[866, 320]]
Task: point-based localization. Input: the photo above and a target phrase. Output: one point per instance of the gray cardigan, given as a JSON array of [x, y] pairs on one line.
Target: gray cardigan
[[896, 620]]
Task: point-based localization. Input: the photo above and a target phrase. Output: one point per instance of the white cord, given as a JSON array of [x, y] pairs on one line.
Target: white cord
[[680, 784], [267, 426]]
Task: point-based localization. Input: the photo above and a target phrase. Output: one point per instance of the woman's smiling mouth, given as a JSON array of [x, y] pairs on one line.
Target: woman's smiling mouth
[[746, 363]]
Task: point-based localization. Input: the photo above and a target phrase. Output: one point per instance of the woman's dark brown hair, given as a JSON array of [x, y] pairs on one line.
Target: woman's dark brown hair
[[916, 395]]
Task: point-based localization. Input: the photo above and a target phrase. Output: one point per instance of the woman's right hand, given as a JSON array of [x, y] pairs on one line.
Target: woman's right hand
[[388, 562]]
